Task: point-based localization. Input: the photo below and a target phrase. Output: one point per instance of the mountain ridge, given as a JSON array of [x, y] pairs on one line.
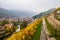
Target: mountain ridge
[[4, 13], [43, 13]]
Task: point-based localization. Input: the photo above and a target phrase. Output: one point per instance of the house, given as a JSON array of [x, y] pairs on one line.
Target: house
[[10, 25], [57, 13]]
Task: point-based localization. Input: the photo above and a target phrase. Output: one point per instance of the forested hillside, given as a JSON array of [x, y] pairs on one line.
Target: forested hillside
[[42, 14]]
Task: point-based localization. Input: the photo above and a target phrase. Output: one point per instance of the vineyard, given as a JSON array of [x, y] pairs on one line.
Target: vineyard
[[31, 32], [53, 28]]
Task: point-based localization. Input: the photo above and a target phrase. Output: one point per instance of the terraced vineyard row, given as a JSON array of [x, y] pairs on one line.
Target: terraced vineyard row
[[53, 30]]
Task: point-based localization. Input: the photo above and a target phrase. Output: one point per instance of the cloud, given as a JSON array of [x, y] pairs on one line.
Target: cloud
[[30, 5]]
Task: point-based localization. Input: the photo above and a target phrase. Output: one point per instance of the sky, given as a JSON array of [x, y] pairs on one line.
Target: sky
[[30, 5]]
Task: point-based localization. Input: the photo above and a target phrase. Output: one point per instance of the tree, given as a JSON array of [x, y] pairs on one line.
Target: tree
[[4, 22], [23, 24]]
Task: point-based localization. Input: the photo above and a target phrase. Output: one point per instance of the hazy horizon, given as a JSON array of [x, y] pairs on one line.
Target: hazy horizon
[[36, 6]]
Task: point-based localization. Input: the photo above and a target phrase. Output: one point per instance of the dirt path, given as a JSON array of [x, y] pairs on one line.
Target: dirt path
[[43, 35]]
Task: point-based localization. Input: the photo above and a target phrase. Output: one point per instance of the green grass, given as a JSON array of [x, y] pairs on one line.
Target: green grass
[[53, 31], [38, 32]]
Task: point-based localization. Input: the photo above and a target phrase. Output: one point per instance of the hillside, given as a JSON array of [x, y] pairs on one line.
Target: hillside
[[5, 13], [45, 28], [43, 13]]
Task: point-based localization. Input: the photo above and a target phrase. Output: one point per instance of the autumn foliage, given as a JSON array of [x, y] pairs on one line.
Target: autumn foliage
[[27, 33]]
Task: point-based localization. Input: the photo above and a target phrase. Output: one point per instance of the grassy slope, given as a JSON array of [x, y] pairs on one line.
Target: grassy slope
[[37, 34]]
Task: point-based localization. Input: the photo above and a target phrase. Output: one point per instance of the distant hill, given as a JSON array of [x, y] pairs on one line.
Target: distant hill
[[14, 13], [22, 13], [5, 13], [43, 13]]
